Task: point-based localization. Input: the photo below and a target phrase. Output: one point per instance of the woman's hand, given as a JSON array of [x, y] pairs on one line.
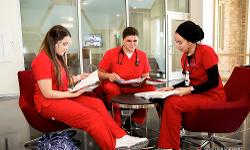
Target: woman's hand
[[183, 90], [166, 88], [79, 77], [84, 75], [76, 93]]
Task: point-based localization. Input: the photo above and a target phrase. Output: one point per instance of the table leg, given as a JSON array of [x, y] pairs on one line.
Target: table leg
[[130, 121], [146, 125], [112, 110]]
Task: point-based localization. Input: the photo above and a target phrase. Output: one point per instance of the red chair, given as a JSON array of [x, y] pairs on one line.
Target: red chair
[[27, 105], [221, 117]]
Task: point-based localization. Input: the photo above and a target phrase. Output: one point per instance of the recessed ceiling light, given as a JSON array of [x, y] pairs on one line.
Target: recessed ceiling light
[[67, 25], [84, 3], [117, 15]]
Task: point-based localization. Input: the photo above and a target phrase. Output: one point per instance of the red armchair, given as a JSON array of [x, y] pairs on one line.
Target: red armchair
[[222, 117], [27, 105]]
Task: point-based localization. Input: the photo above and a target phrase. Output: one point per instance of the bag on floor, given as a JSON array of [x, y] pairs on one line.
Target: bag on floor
[[60, 140]]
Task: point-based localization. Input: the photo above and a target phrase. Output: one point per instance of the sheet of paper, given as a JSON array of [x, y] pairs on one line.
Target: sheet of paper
[[92, 79], [131, 81], [155, 94], [150, 81]]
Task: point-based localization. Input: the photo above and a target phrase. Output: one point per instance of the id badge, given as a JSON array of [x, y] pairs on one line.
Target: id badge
[[187, 80]]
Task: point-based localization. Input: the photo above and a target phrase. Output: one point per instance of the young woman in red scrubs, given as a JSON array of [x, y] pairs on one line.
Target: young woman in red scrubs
[[54, 101], [125, 62], [202, 83]]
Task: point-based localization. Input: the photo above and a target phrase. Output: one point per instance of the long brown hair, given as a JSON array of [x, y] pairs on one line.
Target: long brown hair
[[55, 34]]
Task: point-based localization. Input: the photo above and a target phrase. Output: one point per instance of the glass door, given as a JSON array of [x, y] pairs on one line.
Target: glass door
[[174, 70], [148, 17]]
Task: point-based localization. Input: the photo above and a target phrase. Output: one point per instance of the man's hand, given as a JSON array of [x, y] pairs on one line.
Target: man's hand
[[113, 77]]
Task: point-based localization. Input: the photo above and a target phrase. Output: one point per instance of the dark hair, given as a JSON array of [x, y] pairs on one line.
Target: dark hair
[[190, 31], [129, 31], [55, 34]]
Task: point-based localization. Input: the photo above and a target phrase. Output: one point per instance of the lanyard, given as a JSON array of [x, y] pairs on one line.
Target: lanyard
[[189, 64], [187, 73]]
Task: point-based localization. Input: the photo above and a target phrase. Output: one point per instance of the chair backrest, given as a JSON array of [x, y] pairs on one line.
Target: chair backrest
[[238, 85], [223, 117], [27, 105]]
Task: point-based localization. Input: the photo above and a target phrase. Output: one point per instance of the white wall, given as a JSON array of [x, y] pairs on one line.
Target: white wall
[[10, 20], [201, 12]]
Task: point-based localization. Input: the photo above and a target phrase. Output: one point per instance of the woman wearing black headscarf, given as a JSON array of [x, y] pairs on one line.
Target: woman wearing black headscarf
[[202, 84]]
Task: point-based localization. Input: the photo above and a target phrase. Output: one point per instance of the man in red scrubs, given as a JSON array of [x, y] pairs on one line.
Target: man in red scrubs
[[125, 62]]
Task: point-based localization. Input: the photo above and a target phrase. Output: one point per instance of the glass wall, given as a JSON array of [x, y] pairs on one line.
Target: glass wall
[[178, 5], [149, 19], [102, 26], [38, 17]]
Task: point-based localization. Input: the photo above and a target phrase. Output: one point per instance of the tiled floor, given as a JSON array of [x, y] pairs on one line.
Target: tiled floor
[[14, 130]]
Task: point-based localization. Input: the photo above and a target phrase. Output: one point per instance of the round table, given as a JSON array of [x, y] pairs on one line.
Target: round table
[[133, 102]]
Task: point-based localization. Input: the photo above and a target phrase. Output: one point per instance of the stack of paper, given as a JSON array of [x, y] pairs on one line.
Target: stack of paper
[[148, 81], [151, 81], [89, 83], [131, 81], [156, 94]]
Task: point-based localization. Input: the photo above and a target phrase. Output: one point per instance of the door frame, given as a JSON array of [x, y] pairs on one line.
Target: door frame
[[170, 17]]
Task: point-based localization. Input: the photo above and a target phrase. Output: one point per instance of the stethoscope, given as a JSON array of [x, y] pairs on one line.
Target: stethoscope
[[121, 52]]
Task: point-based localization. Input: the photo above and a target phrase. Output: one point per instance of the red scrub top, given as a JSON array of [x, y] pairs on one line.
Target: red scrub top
[[205, 57], [125, 67], [43, 68]]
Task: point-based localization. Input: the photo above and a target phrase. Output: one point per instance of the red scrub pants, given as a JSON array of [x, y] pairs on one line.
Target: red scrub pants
[[113, 89], [89, 114], [171, 119]]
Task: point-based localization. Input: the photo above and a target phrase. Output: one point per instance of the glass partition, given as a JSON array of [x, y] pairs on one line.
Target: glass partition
[[38, 17], [148, 17], [178, 5], [102, 26]]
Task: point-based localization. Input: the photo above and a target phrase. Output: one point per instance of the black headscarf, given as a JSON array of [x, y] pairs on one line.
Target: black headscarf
[[190, 31]]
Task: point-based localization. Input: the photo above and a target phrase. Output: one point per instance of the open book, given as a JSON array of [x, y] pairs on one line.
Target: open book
[[155, 94], [89, 83], [149, 81]]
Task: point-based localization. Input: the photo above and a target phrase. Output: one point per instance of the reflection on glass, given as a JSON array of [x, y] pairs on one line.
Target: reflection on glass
[[178, 5], [148, 18], [176, 56], [38, 17], [102, 25]]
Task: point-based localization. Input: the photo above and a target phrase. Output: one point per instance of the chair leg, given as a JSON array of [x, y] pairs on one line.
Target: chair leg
[[207, 141], [217, 142], [211, 138]]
